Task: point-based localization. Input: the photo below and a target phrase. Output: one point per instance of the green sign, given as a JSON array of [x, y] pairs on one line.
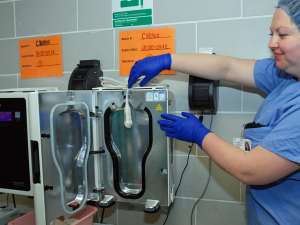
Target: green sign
[[132, 12], [129, 3]]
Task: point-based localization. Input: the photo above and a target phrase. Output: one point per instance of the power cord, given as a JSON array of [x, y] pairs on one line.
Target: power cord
[[7, 200], [181, 176], [186, 165], [98, 217], [180, 180], [102, 215], [14, 201], [203, 192], [182, 173], [207, 181]]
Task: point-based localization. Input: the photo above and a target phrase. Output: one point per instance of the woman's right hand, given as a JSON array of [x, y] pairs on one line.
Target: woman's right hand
[[149, 67]]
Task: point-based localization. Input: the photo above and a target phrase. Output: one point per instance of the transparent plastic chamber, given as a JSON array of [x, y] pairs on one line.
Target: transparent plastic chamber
[[70, 146], [129, 148]]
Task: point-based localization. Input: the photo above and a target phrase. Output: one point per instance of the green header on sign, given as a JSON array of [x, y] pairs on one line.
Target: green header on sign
[[129, 3]]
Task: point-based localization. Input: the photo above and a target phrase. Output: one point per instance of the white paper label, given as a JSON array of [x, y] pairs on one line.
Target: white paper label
[[155, 96]]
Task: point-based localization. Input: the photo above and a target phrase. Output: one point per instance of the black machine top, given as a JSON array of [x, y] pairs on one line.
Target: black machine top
[[86, 75]]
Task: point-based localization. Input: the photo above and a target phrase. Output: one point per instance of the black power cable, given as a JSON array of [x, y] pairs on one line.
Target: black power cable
[[182, 173], [186, 165], [203, 192], [207, 181], [7, 200], [14, 200], [102, 215], [180, 180]]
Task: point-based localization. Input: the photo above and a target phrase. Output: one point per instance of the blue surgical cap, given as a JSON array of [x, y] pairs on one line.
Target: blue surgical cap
[[292, 8]]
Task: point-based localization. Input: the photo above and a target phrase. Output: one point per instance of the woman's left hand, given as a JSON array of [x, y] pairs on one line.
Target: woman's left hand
[[187, 128]]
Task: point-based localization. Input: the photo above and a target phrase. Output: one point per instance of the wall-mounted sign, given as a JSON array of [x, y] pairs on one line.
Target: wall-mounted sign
[[137, 44], [132, 12], [41, 57]]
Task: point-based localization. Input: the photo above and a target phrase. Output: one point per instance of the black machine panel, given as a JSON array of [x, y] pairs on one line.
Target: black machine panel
[[14, 160]]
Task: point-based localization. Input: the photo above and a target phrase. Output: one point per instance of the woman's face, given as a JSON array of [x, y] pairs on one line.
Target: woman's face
[[285, 43]]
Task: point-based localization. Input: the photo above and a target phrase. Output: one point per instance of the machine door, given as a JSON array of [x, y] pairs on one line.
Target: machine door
[[70, 146], [66, 141], [136, 161], [129, 149], [14, 160]]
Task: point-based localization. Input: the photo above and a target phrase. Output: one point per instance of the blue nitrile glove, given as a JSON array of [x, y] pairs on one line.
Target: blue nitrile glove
[[187, 128], [149, 67]]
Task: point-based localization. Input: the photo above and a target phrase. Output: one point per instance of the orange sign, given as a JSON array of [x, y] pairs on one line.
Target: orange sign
[[137, 44], [41, 57]]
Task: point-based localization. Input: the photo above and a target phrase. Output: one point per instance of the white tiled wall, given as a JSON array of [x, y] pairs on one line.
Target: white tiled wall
[[235, 27]]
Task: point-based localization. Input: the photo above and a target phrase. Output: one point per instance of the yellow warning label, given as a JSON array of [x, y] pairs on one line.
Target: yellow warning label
[[158, 108]]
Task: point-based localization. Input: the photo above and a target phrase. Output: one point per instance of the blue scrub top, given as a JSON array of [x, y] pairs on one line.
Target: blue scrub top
[[277, 203]]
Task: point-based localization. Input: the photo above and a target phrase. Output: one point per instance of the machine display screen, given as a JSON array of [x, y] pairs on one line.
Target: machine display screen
[[14, 160], [6, 116]]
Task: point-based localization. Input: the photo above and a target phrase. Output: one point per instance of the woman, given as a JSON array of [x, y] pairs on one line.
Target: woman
[[271, 168]]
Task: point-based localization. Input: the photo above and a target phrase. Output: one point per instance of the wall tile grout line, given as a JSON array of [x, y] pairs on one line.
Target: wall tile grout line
[[196, 39], [114, 49], [242, 8], [77, 16], [8, 1], [18, 80], [209, 200], [55, 33], [242, 98], [9, 75], [217, 20], [15, 19], [154, 25]]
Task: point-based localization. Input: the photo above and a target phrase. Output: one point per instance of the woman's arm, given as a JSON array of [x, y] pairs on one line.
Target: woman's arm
[[257, 167], [215, 67]]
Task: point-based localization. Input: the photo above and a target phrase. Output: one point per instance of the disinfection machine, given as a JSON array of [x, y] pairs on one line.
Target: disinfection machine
[[70, 148]]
